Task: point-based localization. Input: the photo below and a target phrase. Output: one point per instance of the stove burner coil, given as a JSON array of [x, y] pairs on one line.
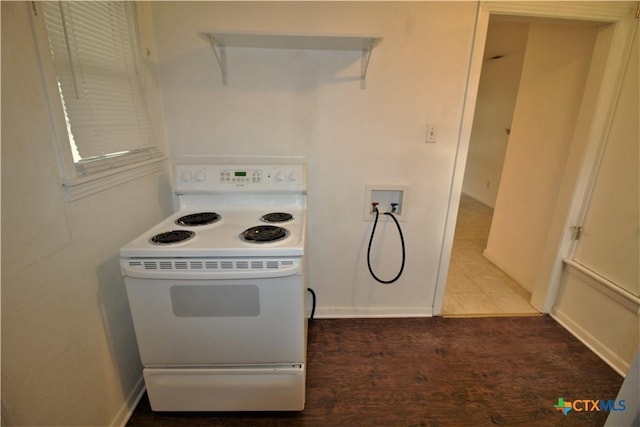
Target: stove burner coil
[[173, 236], [264, 234], [276, 217], [200, 218]]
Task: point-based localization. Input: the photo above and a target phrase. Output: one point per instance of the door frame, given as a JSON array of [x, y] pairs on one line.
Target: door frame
[[619, 14]]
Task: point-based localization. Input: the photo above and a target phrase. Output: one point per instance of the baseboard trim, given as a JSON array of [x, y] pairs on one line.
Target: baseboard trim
[[482, 198], [489, 315], [127, 408], [372, 312], [610, 358]]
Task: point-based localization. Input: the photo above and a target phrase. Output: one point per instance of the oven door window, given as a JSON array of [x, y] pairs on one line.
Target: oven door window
[[215, 301]]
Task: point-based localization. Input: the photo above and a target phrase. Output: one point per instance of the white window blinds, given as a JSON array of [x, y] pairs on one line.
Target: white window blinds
[[95, 53]]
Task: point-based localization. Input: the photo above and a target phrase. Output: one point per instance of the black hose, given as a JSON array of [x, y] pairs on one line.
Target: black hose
[[313, 303], [375, 223]]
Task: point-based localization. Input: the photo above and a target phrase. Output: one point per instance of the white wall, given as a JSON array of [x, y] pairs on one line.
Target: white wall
[[497, 92], [554, 73], [68, 348], [309, 103]]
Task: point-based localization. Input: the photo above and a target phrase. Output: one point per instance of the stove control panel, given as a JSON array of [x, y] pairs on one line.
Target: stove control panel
[[241, 176], [196, 178]]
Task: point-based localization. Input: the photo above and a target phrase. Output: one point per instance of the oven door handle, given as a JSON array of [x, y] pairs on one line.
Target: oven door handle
[[154, 269]]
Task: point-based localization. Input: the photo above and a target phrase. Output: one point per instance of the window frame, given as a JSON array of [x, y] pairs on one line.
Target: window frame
[[77, 181]]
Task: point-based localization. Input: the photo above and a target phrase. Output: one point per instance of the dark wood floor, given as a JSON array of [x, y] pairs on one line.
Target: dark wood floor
[[433, 372]]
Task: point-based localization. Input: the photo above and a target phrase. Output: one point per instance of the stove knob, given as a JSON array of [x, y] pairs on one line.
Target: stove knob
[[293, 176], [280, 175], [186, 176], [200, 176]]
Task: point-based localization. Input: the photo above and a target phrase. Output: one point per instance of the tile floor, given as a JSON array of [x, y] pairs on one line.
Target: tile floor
[[476, 287]]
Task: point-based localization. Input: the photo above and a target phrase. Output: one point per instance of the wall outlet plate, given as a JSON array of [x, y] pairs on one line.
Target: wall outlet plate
[[431, 134]]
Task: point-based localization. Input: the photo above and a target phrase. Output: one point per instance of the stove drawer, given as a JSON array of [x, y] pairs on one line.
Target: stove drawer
[[227, 389]]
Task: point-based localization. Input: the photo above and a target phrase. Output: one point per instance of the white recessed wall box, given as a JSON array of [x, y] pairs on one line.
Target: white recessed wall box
[[389, 198]]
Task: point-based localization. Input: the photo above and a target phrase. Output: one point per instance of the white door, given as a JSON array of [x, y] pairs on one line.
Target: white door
[[608, 243]]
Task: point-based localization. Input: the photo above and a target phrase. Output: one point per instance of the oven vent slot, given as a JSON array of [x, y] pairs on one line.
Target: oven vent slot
[[204, 265], [150, 265], [195, 265]]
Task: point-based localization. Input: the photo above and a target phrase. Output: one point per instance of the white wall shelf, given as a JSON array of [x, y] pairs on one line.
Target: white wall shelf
[[221, 40]]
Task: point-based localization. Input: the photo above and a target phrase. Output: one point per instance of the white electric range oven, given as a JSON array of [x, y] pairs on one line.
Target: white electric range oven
[[217, 291]]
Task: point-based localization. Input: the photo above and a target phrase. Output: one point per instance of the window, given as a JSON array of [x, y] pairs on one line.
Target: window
[[100, 93]]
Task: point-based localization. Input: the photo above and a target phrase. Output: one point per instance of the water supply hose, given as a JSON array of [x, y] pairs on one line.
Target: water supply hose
[[313, 303], [375, 223]]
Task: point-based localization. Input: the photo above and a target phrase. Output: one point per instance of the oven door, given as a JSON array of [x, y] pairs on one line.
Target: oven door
[[205, 318]]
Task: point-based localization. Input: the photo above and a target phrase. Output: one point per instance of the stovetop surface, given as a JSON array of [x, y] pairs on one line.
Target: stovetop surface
[[239, 195], [220, 239]]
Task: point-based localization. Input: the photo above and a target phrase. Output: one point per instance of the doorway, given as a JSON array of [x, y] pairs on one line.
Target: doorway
[[533, 78], [475, 286]]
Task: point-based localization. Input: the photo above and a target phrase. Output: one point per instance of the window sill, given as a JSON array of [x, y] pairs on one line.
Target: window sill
[[83, 186]]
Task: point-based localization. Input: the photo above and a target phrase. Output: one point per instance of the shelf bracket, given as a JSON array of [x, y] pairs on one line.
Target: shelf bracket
[[364, 64], [355, 43], [221, 56]]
